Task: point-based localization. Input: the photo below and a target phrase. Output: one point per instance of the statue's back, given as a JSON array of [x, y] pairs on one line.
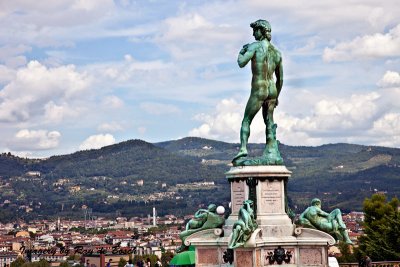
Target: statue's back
[[274, 57]]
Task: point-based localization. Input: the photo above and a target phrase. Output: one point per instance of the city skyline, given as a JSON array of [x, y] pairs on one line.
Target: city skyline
[[77, 75]]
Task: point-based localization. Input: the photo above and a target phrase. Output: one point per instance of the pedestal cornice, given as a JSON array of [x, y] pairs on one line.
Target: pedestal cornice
[[258, 171]]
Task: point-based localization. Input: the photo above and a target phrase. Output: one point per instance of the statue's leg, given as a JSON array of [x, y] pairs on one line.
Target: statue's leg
[[345, 236], [252, 107], [234, 237], [268, 115], [271, 153], [337, 215]]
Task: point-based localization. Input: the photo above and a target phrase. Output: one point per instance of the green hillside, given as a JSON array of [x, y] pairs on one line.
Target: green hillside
[[131, 177], [342, 175], [133, 160]]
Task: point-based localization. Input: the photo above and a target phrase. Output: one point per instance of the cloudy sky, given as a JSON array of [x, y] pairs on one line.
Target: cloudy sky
[[81, 74]]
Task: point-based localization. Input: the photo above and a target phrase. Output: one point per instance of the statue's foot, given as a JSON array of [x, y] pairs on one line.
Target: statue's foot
[[242, 153], [271, 155], [236, 245]]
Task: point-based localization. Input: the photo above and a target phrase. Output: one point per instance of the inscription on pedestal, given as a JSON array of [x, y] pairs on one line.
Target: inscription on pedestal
[[271, 197], [238, 195], [310, 256], [208, 256]]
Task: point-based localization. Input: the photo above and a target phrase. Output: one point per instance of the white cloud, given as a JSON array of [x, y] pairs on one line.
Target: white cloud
[[110, 127], [341, 114], [36, 91], [6, 74], [389, 124], [360, 118], [113, 102], [180, 57], [97, 141], [368, 46], [184, 26], [88, 5], [387, 130], [212, 42], [223, 124], [390, 79], [12, 55], [54, 113], [50, 23], [132, 73], [159, 108], [35, 140], [289, 135]]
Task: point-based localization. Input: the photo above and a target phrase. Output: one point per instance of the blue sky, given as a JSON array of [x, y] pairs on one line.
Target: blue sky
[[81, 74]]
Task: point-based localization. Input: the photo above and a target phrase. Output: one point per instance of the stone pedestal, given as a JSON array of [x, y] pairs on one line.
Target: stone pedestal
[[266, 186], [275, 236]]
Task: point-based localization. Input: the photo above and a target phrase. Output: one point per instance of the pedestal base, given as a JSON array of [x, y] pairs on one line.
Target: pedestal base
[[276, 241], [307, 247]]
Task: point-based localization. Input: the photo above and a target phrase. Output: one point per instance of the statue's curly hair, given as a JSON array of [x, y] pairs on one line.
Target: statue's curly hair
[[212, 207], [248, 201], [315, 201], [263, 25]]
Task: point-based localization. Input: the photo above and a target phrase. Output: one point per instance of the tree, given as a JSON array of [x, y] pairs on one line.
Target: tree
[[41, 263], [382, 229], [122, 262], [18, 262], [166, 258], [74, 257], [347, 254]]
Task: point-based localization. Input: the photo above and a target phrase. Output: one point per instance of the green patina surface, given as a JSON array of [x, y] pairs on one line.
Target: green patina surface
[[266, 61], [244, 226], [203, 219], [332, 223]]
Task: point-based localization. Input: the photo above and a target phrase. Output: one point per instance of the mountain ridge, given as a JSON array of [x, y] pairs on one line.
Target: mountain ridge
[[108, 179]]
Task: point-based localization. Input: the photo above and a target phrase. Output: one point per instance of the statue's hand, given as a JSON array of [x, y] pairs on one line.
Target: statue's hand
[[244, 49]]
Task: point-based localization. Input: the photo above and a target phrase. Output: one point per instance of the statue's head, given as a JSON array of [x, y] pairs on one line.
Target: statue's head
[[264, 27], [248, 201], [212, 207], [315, 202]]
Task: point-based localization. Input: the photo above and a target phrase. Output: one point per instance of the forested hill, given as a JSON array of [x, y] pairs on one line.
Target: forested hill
[[134, 159], [342, 175]]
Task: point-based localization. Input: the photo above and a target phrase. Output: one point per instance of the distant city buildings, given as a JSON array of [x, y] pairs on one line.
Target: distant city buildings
[[96, 239], [102, 239]]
